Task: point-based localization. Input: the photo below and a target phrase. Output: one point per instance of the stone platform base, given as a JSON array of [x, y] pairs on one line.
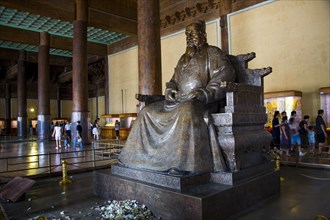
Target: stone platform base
[[203, 201]]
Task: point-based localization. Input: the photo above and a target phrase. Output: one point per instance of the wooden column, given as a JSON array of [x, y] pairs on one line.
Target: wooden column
[[43, 128], [97, 100], [106, 85], [21, 96], [8, 109], [58, 98], [150, 76], [224, 34], [79, 71], [224, 9]]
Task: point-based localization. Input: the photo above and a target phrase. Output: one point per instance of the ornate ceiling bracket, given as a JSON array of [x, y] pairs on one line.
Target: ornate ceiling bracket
[[96, 72]]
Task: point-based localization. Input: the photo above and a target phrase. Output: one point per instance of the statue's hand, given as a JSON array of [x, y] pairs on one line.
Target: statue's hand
[[197, 94], [170, 94]]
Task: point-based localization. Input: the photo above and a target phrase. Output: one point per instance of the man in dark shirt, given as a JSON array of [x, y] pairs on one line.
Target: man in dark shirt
[[321, 134], [79, 128], [78, 138]]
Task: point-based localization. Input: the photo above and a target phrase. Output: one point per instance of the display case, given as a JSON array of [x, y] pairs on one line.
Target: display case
[[325, 105], [126, 121], [282, 101], [13, 126], [61, 121], [2, 126]]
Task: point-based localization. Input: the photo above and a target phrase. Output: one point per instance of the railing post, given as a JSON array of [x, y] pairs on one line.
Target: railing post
[[50, 162], [94, 164], [65, 179]]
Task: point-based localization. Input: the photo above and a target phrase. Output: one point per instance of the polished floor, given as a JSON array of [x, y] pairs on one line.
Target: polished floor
[[305, 192], [29, 157]]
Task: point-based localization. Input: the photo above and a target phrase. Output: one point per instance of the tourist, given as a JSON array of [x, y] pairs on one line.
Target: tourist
[[276, 133], [285, 136], [303, 130], [311, 139], [67, 140], [57, 134], [31, 129], [117, 126], [295, 136], [321, 133], [95, 130], [78, 139], [67, 128]]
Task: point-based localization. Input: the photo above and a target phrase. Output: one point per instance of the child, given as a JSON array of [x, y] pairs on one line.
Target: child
[[311, 139], [66, 141]]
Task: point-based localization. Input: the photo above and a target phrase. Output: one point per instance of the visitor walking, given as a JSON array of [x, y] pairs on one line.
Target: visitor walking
[[95, 130], [311, 139], [117, 126], [303, 130], [321, 133], [67, 128], [57, 134], [276, 134], [285, 136], [78, 138], [295, 136]]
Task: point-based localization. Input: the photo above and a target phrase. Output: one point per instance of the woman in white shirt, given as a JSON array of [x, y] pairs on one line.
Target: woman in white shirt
[[57, 134]]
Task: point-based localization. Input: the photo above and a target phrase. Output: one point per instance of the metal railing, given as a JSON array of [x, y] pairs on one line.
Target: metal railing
[[101, 155]]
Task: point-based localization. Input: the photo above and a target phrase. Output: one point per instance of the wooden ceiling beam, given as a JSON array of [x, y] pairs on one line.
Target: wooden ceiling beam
[[122, 45], [59, 9], [114, 23], [30, 37], [114, 15], [32, 57], [65, 77]]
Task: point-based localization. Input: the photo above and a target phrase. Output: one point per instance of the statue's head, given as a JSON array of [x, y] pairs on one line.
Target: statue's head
[[196, 34]]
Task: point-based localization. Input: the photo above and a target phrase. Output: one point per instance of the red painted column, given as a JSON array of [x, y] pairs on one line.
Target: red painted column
[[150, 76], [106, 85], [58, 99], [79, 72], [21, 96], [8, 109], [43, 128]]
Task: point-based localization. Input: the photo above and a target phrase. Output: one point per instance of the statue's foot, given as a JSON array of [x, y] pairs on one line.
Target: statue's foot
[[176, 172]]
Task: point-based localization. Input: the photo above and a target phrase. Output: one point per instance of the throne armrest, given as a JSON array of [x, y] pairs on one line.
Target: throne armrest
[[147, 99]]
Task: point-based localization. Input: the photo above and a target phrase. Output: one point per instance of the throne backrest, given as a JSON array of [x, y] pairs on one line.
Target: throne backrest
[[245, 75]]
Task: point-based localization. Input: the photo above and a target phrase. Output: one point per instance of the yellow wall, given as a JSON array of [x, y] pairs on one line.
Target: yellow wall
[[293, 38], [66, 108], [92, 107], [123, 77], [123, 68]]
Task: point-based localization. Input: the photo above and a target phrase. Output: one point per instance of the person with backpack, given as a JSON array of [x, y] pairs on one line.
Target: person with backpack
[[78, 138], [303, 131]]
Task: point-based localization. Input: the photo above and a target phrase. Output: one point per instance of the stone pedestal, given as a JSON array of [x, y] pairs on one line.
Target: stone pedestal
[[194, 201], [161, 179]]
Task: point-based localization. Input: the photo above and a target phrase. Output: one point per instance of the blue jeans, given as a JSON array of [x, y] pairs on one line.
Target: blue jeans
[[75, 142]]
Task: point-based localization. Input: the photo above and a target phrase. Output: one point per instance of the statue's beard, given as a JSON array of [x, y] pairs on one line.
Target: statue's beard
[[190, 52]]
